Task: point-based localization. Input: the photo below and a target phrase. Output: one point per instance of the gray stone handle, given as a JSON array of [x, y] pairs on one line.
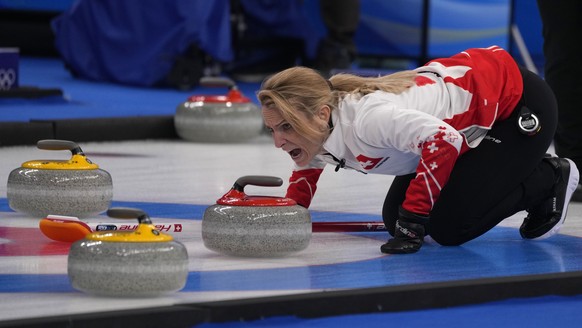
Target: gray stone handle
[[217, 81], [53, 144], [129, 213], [257, 180]]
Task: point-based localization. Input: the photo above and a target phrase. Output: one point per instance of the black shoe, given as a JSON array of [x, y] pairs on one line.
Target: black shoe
[[545, 219]]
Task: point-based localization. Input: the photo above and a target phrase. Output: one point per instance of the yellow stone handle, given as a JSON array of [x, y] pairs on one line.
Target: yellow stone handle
[[78, 160], [146, 232]]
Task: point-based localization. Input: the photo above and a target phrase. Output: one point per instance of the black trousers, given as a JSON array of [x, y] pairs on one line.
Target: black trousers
[[505, 174], [562, 26]]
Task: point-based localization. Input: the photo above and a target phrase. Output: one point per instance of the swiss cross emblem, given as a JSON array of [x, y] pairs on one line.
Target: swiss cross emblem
[[368, 163], [432, 147], [177, 227], [452, 137]]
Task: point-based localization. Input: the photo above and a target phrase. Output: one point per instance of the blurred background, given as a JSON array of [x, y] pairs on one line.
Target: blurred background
[[97, 70], [248, 39]]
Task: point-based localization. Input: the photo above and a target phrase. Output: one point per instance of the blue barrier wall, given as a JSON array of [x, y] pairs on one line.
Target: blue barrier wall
[[394, 28]]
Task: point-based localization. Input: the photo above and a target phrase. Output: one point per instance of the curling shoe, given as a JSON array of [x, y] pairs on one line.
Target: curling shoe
[[545, 219]]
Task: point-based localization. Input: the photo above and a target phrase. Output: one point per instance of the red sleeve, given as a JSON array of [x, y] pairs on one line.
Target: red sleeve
[[437, 160], [302, 185]]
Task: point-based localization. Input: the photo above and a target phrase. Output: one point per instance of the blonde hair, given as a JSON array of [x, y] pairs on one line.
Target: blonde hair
[[302, 89], [394, 83]]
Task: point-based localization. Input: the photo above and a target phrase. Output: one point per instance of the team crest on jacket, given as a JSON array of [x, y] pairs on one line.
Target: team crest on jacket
[[368, 163]]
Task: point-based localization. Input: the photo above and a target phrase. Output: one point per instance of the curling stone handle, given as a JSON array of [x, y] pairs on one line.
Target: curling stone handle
[[257, 180], [217, 81], [129, 213], [53, 144]]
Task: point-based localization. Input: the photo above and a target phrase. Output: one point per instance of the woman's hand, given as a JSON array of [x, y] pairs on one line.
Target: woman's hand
[[409, 234]]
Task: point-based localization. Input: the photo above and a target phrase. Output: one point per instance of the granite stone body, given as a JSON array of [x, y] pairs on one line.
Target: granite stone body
[[40, 192], [218, 122], [127, 269], [256, 231]]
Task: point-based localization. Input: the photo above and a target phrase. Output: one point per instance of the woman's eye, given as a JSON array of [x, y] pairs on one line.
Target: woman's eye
[[286, 126], [269, 130]]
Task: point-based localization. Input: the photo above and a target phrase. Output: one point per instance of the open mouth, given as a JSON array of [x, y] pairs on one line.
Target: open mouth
[[295, 153]]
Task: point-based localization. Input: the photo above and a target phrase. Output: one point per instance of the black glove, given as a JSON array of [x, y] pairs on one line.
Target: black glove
[[409, 234]]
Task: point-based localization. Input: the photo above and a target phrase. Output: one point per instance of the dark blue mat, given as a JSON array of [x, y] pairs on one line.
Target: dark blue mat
[[84, 99], [85, 111]]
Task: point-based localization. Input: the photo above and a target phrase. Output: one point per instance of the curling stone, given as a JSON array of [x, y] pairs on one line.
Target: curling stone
[[220, 118], [143, 262], [256, 226], [74, 187]]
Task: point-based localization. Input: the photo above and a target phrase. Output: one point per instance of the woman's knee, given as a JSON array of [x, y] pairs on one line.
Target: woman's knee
[[447, 240], [446, 236], [394, 198]]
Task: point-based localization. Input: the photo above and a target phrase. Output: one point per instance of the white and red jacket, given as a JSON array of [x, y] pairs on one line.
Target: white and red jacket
[[449, 110]]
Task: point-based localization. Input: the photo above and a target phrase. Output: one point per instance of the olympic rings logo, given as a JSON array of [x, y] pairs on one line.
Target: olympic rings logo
[[7, 78]]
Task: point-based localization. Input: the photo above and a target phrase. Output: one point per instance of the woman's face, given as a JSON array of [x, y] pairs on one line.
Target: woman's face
[[301, 149]]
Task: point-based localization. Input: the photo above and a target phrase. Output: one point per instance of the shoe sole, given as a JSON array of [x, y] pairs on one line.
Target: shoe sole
[[573, 179]]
